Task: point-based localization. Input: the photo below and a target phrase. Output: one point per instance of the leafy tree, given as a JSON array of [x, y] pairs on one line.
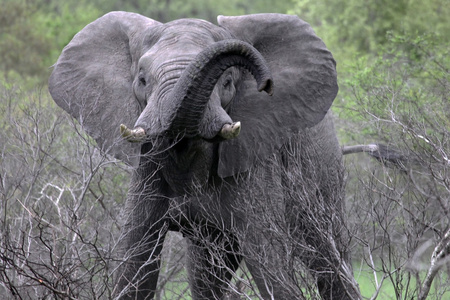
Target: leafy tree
[[33, 33], [22, 46], [361, 26], [410, 76], [61, 20], [363, 35]]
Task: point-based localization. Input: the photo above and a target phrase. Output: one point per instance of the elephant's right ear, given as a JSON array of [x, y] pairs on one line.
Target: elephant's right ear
[[92, 79]]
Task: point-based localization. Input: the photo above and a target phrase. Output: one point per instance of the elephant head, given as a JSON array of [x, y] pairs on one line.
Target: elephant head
[[192, 79]]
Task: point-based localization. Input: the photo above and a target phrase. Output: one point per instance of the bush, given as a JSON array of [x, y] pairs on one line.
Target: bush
[[400, 218], [60, 203]]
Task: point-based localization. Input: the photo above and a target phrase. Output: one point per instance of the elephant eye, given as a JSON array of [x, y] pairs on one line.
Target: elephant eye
[[142, 81], [228, 92], [227, 83]]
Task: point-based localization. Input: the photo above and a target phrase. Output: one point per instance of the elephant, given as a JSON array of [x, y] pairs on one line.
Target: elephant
[[228, 130]]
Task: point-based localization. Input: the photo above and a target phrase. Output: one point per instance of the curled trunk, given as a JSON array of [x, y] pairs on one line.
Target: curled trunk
[[194, 88]]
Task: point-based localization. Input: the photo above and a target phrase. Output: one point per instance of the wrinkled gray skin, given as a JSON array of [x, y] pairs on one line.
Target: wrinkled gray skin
[[182, 86]]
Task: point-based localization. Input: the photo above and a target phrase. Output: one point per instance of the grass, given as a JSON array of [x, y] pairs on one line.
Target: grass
[[404, 283], [178, 288]]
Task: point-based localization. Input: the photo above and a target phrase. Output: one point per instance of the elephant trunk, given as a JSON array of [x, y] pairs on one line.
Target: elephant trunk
[[191, 93], [195, 86]]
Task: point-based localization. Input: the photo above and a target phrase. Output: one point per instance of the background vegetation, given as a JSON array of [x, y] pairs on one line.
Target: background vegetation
[[61, 198]]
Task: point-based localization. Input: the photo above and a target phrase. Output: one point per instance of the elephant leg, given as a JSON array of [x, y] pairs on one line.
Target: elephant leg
[[213, 259], [334, 277], [273, 265], [322, 238], [271, 270], [270, 285], [329, 262], [142, 242]]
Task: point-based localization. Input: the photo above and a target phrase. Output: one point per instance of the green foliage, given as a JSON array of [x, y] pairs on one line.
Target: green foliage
[[390, 54], [406, 83], [383, 49], [361, 26], [33, 33], [22, 45], [61, 20]]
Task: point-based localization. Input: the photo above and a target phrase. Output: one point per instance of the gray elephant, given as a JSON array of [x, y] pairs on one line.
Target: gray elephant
[[230, 139]]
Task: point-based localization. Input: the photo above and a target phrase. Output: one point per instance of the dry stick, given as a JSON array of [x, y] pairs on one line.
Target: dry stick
[[440, 252], [437, 261]]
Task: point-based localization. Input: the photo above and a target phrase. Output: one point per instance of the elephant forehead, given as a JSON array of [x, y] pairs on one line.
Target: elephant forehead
[[193, 31], [172, 46], [192, 25], [164, 59], [180, 38], [173, 51], [185, 39]]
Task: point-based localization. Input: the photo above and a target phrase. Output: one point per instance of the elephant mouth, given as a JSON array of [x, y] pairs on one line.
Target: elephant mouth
[[193, 90]]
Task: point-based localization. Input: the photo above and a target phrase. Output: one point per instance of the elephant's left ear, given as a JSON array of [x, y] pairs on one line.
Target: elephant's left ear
[[305, 85]]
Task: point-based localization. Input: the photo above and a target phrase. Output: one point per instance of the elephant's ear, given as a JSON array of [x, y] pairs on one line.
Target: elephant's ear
[[305, 85], [92, 79]]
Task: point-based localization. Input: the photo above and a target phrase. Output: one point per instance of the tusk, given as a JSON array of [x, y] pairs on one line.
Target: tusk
[[135, 135], [230, 131]]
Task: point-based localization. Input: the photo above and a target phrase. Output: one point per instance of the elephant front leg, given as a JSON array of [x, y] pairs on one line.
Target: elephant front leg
[[142, 241], [270, 266], [213, 259], [329, 262]]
